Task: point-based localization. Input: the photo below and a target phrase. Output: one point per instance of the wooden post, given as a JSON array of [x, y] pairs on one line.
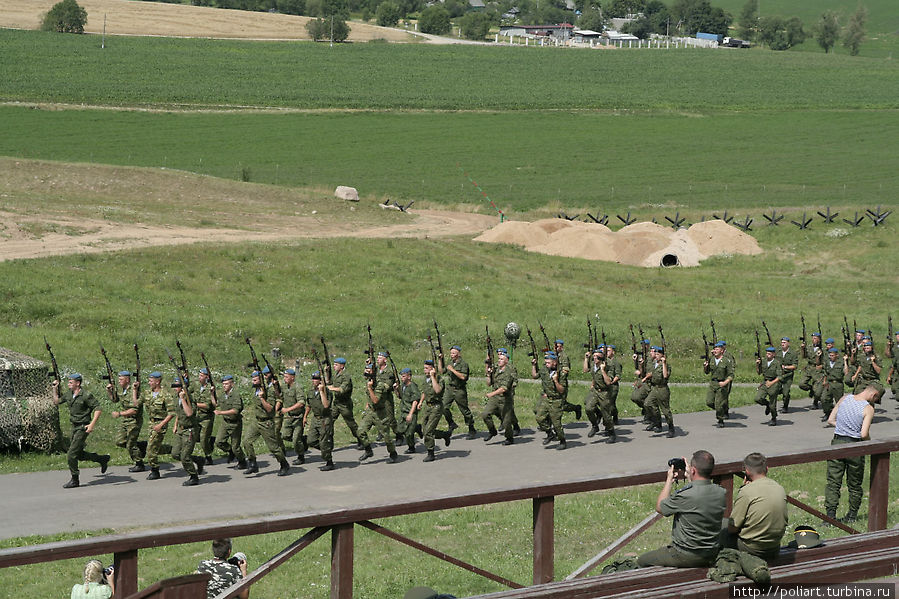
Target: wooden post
[[727, 481], [544, 550], [125, 564], [879, 491], [342, 561]]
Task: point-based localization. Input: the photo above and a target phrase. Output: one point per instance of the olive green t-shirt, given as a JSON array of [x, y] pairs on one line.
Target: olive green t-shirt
[[760, 514], [697, 509], [81, 406]]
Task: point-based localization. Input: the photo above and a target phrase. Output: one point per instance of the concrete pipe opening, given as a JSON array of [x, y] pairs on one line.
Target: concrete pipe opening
[[670, 260]]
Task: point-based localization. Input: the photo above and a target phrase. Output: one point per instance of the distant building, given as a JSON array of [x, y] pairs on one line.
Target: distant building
[[476, 4], [561, 32]]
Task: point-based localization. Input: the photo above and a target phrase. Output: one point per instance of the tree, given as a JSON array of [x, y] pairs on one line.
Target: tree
[[827, 30], [622, 8], [474, 26], [592, 19], [435, 20], [640, 27], [855, 30], [292, 7], [388, 14], [320, 29], [781, 34], [749, 20], [65, 17], [699, 15]]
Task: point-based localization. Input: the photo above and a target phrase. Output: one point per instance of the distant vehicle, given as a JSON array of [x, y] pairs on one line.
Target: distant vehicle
[[732, 42], [715, 37]]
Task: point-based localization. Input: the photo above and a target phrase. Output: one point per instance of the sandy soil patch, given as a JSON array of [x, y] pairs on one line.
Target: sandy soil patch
[[130, 17]]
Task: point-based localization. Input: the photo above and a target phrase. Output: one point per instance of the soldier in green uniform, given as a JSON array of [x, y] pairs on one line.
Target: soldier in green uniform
[[230, 408], [410, 396], [892, 352], [341, 388], [499, 398], [641, 384], [293, 409], [555, 384], [186, 431], [206, 403], [132, 414], [565, 366], [264, 426], [721, 375], [658, 402], [318, 401], [599, 402], [456, 376], [812, 373], [160, 406], [769, 388], [867, 372], [84, 412], [377, 412], [432, 407], [789, 361], [851, 419], [384, 375], [275, 393], [835, 371], [615, 370]]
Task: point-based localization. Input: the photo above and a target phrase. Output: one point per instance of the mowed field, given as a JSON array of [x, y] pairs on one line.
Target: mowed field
[[129, 17]]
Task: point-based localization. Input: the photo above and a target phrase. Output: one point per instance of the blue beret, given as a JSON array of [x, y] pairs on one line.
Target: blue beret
[[340, 360], [866, 337], [317, 375], [290, 371], [560, 342], [255, 373], [266, 369], [655, 347], [816, 334], [75, 376], [770, 348], [598, 349], [551, 355], [125, 373], [204, 370], [382, 354], [829, 340], [155, 375], [456, 347], [660, 349], [610, 346], [784, 338], [896, 333], [862, 331], [646, 342], [833, 350], [176, 384], [503, 351], [429, 362], [228, 377], [601, 346], [720, 344], [868, 344], [406, 371]]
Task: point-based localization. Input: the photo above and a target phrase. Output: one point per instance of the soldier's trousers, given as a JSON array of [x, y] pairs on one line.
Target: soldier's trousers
[[229, 438], [407, 429], [344, 409], [785, 383], [313, 431], [76, 450], [599, 407], [377, 416], [639, 394], [154, 444], [206, 438], [279, 424], [717, 398], [266, 430], [549, 417], [613, 398], [460, 396], [854, 469], [830, 395], [292, 431], [809, 375], [431, 415], [493, 407], [567, 406], [767, 396], [325, 435], [658, 404], [183, 448], [128, 435], [894, 386], [861, 383], [391, 414], [673, 557]]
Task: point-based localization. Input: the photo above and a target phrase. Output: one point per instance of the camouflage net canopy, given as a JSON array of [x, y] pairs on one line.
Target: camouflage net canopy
[[28, 415]]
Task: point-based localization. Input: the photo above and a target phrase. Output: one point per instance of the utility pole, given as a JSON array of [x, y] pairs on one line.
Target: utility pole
[[103, 42], [332, 31]]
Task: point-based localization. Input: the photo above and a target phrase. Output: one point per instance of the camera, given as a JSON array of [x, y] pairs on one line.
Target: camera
[[678, 463], [237, 558], [108, 570]]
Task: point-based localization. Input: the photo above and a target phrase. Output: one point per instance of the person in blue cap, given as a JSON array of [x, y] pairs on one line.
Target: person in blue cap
[[84, 413], [160, 406], [721, 376], [868, 370], [641, 382], [658, 402], [549, 407], [813, 371], [599, 403], [408, 421], [835, 372], [264, 426], [319, 399], [456, 373], [131, 414], [565, 366], [431, 406], [293, 408], [500, 398], [770, 369], [377, 412], [615, 370], [342, 405], [186, 433], [789, 361], [230, 408], [206, 400]]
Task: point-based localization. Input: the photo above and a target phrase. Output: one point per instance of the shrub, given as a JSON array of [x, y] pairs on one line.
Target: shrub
[[65, 17], [388, 14], [435, 19]]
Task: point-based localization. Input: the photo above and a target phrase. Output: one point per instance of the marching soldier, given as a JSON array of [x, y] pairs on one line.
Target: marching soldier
[[769, 388], [318, 400], [892, 352], [186, 434], [658, 402], [615, 370], [230, 408], [274, 392], [599, 402], [341, 388], [867, 373], [721, 374], [456, 376], [84, 412], [834, 371], [264, 426], [132, 415], [410, 395], [500, 398], [789, 361], [549, 411], [293, 409], [641, 386], [206, 400], [384, 376], [565, 367], [377, 413], [812, 373], [160, 407], [432, 407]]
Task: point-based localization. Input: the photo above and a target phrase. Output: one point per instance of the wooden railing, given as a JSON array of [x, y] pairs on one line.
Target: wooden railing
[[341, 523]]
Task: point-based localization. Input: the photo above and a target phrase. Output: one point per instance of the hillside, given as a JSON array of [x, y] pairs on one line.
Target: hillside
[[882, 14]]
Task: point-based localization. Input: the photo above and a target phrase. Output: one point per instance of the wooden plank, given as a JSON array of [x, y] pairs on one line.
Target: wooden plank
[[822, 515], [342, 561], [879, 491], [190, 586], [727, 481], [438, 554], [125, 564], [615, 546], [544, 530]]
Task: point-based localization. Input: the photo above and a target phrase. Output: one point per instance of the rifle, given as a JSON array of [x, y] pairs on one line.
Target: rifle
[[634, 347], [183, 362], [396, 376], [889, 346], [549, 346], [371, 357], [714, 334], [55, 371], [110, 376], [137, 369], [603, 354], [180, 376], [642, 350], [327, 374], [433, 351], [589, 345], [820, 331], [439, 345], [209, 373], [276, 384], [847, 336], [802, 337], [705, 347], [488, 363], [533, 352], [259, 370], [767, 332], [662, 335], [318, 361], [758, 352]]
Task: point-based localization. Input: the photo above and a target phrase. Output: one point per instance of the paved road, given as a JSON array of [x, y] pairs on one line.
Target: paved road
[[36, 503]]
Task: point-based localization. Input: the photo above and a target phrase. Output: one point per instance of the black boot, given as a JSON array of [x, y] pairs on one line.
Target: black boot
[[200, 463], [472, 433], [142, 446], [410, 447], [491, 432], [252, 468], [285, 468], [193, 481], [593, 430], [104, 463], [430, 456], [548, 439], [612, 437], [419, 431], [670, 428], [577, 412], [329, 465], [241, 464], [392, 457], [399, 440], [300, 459], [138, 467], [72, 483], [154, 474], [368, 453], [850, 517], [446, 439], [231, 456], [209, 460]]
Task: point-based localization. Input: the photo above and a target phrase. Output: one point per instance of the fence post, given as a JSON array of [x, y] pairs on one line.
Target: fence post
[[125, 563], [727, 481], [879, 491], [544, 549], [342, 561]]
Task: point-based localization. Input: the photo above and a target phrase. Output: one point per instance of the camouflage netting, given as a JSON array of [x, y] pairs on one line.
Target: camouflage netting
[[28, 416]]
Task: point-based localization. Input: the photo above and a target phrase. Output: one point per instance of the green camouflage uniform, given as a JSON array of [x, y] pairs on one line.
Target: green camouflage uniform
[[812, 374], [324, 421], [230, 432], [222, 575], [205, 420], [717, 396], [129, 427], [867, 376], [159, 405], [788, 358], [378, 415], [565, 366], [410, 394], [432, 410], [264, 427], [457, 391], [599, 402], [292, 429], [641, 389], [614, 369], [894, 383], [342, 406], [385, 377], [186, 435], [833, 376], [278, 419], [549, 416], [659, 399], [501, 405], [767, 396], [81, 412]]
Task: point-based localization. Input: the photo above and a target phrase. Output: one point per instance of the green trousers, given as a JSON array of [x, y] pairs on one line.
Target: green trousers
[[613, 397], [292, 431], [431, 415], [767, 396], [460, 397], [206, 438], [266, 430], [154, 444], [673, 557], [830, 395], [128, 435], [229, 438], [639, 394], [493, 408], [658, 404], [717, 398], [599, 407], [407, 429], [344, 409], [183, 448], [325, 435], [854, 469], [377, 416], [786, 382], [549, 417], [76, 450]]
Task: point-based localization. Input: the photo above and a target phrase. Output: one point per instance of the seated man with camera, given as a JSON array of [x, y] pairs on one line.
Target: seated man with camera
[[697, 509], [224, 571]]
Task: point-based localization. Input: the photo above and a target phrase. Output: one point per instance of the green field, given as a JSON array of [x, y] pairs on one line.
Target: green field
[[882, 14]]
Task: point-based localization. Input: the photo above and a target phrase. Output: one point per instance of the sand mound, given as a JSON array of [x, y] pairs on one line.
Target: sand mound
[[640, 244]]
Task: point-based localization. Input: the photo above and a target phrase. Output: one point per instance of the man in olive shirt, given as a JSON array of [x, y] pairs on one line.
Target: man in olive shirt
[[759, 517], [457, 373], [264, 410], [230, 408], [614, 370], [555, 386], [186, 431], [697, 509], [499, 398], [160, 408], [293, 407], [789, 361], [84, 412], [341, 388], [132, 415], [565, 367], [721, 375], [206, 400], [431, 405], [408, 421], [599, 403], [770, 369], [377, 413], [318, 400]]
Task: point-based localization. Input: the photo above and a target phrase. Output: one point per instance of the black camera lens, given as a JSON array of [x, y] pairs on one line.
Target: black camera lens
[[678, 463]]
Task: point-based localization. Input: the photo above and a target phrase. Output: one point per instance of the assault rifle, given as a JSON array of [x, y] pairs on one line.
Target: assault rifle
[[767, 332], [549, 346], [802, 337], [257, 369], [209, 373], [847, 336], [327, 374], [318, 361], [634, 347], [183, 362], [662, 335], [137, 366], [643, 351], [396, 376], [433, 351], [758, 352], [714, 334], [533, 352], [180, 376], [440, 357], [890, 335], [705, 346], [590, 345], [820, 331], [488, 362], [55, 368], [371, 357], [110, 375], [276, 384], [604, 349]]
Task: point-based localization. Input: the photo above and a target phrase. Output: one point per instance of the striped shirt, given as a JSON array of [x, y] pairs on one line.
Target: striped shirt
[[850, 416]]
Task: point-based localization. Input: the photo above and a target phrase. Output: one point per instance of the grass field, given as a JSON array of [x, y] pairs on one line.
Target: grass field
[[882, 15]]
